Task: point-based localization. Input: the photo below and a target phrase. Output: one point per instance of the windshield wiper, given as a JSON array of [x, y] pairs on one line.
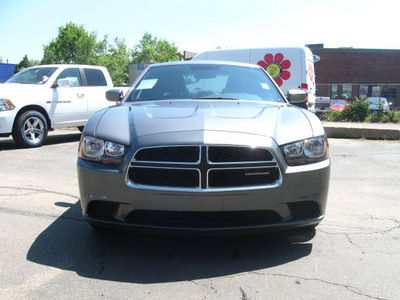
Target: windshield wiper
[[217, 98]]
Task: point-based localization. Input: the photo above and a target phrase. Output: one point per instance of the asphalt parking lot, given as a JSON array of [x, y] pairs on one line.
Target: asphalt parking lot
[[48, 251]]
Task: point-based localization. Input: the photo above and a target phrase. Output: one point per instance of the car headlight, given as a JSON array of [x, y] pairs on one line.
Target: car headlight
[[6, 104], [96, 149], [306, 152]]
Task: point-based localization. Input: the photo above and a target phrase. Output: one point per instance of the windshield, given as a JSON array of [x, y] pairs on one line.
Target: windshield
[[32, 76], [338, 102], [203, 81], [377, 101]]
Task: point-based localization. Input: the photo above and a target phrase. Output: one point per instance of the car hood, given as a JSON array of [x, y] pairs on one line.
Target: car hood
[[206, 121], [14, 91]]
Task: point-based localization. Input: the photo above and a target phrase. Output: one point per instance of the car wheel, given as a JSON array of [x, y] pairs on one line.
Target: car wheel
[[30, 130]]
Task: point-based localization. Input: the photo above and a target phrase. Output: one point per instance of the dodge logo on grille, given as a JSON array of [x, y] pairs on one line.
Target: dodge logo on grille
[[256, 173]]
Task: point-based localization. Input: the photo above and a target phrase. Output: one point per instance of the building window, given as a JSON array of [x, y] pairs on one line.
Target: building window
[[390, 93], [376, 91], [363, 91], [347, 91], [334, 91]]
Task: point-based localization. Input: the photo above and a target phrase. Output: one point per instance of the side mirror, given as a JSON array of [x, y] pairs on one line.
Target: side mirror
[[64, 82], [297, 96], [114, 95]]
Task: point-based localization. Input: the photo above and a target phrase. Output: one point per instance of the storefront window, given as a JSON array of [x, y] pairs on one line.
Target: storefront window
[[363, 91], [334, 91], [376, 91], [346, 91]]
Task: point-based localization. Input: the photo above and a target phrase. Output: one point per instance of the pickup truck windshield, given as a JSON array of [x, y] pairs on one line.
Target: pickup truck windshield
[[205, 81], [32, 76]]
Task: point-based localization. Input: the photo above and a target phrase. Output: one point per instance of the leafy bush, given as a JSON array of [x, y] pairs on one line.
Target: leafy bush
[[335, 116], [391, 116], [373, 118], [357, 111]]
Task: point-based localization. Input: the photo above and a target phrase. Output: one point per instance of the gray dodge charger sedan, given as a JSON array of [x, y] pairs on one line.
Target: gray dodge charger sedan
[[204, 146]]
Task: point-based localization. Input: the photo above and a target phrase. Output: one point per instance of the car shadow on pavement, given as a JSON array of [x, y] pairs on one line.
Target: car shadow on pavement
[[69, 243], [9, 143]]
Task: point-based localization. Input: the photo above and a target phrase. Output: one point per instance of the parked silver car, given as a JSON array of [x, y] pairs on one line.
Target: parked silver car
[[204, 146], [378, 104]]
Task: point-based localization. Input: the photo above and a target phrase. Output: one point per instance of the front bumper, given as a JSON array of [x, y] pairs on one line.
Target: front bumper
[[300, 200], [6, 122]]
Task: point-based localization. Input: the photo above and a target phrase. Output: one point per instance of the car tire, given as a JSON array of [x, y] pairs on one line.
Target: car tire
[[30, 130]]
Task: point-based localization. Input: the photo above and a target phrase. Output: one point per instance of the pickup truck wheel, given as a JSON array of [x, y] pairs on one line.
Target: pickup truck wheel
[[30, 130]]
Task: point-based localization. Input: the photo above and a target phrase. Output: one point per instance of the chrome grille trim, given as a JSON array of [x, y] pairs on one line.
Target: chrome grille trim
[[204, 168]]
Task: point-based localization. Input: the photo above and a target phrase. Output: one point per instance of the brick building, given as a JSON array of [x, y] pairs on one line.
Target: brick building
[[348, 72]]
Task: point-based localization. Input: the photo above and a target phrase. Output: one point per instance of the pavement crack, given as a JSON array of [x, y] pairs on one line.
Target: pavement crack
[[351, 241], [40, 215], [102, 263], [209, 287], [350, 288], [244, 295], [32, 190]]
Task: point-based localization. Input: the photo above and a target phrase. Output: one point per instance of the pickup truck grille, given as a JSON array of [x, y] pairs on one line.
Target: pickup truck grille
[[203, 167]]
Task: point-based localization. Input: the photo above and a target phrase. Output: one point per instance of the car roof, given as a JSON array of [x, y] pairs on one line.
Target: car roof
[[205, 62], [66, 66]]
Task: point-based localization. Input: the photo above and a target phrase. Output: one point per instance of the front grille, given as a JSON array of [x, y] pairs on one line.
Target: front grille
[[224, 178], [189, 154], [203, 167], [178, 178], [204, 219], [238, 154]]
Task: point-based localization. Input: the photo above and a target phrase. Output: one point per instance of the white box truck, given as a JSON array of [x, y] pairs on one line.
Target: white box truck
[[291, 67]]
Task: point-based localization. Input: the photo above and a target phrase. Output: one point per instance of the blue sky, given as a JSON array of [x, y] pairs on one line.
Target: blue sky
[[196, 26]]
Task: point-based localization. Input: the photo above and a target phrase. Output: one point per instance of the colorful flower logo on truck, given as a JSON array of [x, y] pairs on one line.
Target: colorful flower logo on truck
[[276, 66]]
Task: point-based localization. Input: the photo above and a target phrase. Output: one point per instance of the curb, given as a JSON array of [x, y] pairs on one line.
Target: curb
[[362, 130]]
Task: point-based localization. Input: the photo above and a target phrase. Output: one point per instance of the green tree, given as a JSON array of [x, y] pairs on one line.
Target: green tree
[[154, 50], [115, 57], [34, 62], [73, 45], [24, 63], [1, 60]]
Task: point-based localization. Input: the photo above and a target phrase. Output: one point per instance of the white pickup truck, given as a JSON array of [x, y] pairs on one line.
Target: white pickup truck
[[41, 98]]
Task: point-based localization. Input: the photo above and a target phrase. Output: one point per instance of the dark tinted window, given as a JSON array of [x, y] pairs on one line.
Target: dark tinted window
[[73, 74], [95, 77], [198, 81]]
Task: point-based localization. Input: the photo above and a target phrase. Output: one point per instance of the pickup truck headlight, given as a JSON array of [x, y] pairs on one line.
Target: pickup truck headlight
[[98, 150], [6, 104], [306, 152]]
